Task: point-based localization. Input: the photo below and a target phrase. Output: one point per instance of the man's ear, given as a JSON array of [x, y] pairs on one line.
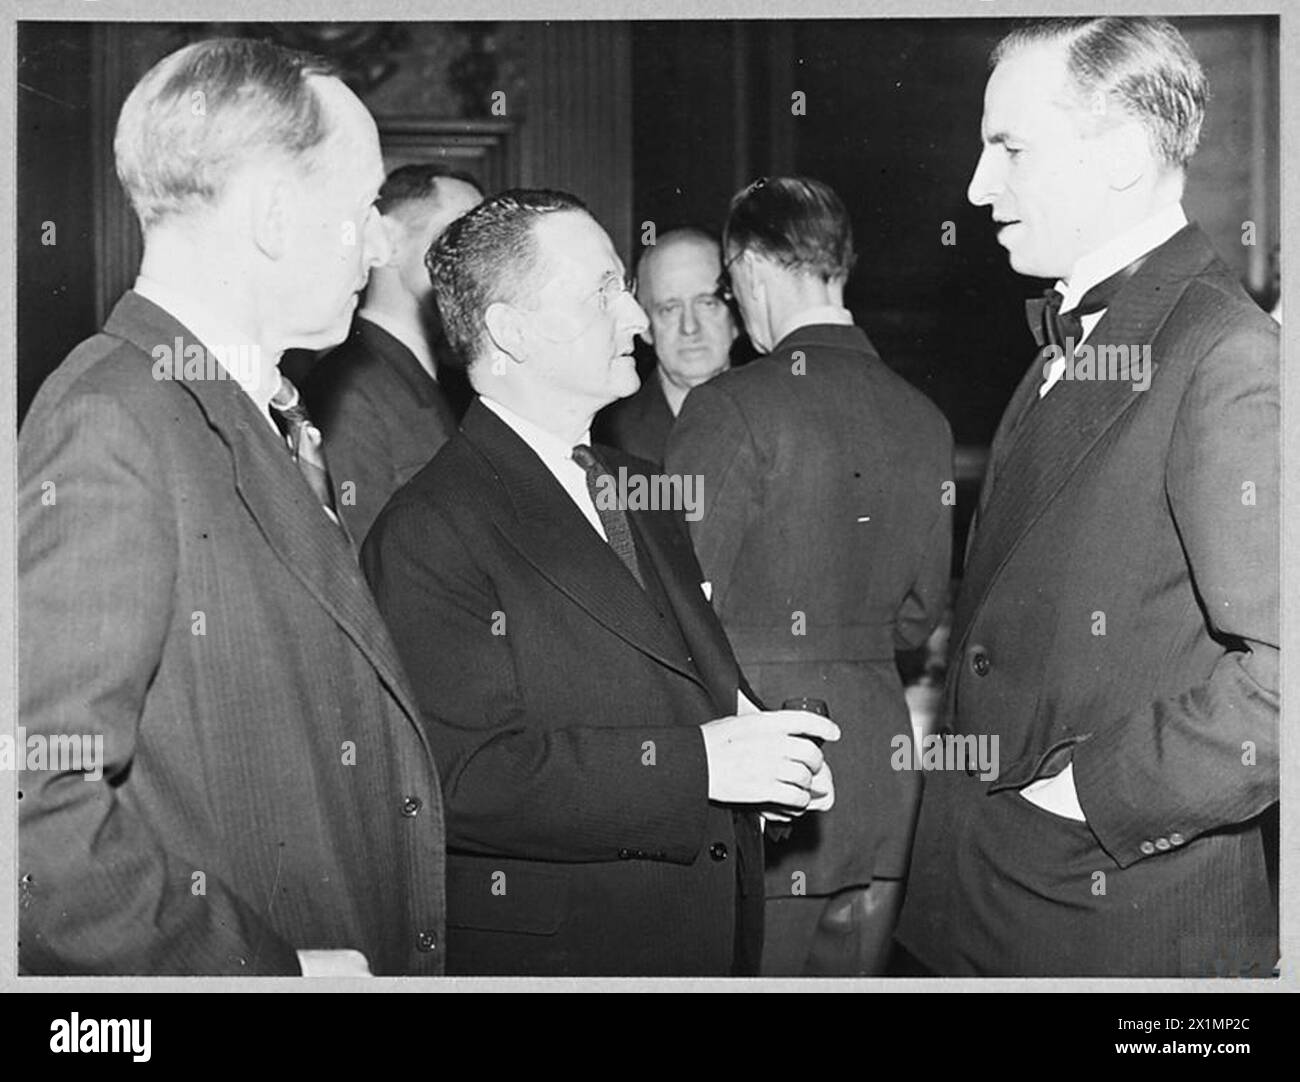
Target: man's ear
[[397, 236], [505, 326], [271, 201], [1128, 155]]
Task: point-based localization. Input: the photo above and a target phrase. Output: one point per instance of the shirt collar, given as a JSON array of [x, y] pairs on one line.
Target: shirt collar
[[546, 445], [1118, 252], [822, 313], [411, 337], [221, 338]]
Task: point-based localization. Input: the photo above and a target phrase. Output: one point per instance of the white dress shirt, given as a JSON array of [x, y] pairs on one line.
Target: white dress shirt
[[219, 338], [1098, 265], [556, 456]]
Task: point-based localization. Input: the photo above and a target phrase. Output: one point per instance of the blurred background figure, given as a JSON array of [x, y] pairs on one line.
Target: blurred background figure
[[376, 397], [691, 329], [827, 539]]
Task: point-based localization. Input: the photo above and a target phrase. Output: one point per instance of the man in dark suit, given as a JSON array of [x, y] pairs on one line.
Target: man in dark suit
[[692, 331], [827, 538], [268, 804], [376, 398], [1117, 626], [565, 657]]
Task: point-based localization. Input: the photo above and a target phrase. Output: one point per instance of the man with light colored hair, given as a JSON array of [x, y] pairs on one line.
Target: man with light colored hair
[[267, 805], [1117, 626], [691, 329]]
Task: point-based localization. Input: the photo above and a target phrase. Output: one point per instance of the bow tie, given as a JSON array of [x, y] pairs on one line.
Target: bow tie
[[1050, 326]]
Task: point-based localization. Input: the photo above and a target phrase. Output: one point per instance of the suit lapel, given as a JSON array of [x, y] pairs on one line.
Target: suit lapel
[[546, 528], [669, 550], [1049, 439], [277, 496]]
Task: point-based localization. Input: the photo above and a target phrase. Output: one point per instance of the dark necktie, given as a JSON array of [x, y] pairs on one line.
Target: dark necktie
[[304, 441], [1050, 326], [614, 519]]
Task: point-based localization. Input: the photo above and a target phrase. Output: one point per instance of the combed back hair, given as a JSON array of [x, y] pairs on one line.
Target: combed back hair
[[412, 188], [695, 234], [202, 112], [1143, 65], [798, 222], [489, 255]]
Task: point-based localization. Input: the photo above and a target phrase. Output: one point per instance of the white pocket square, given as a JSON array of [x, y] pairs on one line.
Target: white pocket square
[[706, 588]]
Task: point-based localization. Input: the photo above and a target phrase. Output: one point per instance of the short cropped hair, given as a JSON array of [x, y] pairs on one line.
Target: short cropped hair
[[415, 186], [1141, 64], [203, 111], [798, 222], [489, 255]]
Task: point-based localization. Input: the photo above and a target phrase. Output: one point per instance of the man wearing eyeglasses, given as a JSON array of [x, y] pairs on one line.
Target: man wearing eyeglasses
[[604, 765], [827, 540], [691, 329]]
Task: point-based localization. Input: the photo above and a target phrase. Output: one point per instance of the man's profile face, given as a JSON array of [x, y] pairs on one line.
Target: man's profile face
[[691, 327], [334, 233], [1042, 175], [422, 226], [580, 338]]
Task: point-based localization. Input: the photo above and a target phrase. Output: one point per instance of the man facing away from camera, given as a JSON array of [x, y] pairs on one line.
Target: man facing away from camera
[[268, 803], [603, 762], [376, 398], [1117, 625], [827, 538], [691, 329]]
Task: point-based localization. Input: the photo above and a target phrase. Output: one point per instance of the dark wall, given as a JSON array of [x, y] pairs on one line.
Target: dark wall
[[56, 307], [892, 124]]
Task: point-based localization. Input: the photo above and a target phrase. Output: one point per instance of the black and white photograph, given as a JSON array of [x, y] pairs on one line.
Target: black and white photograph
[[537, 498]]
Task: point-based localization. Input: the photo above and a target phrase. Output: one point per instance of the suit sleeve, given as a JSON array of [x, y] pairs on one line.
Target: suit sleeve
[[1208, 758], [516, 785], [101, 892], [711, 439], [926, 600]]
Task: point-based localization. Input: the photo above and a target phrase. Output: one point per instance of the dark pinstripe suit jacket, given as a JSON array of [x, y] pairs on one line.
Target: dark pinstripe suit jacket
[[383, 418], [267, 788], [564, 705], [1120, 609]]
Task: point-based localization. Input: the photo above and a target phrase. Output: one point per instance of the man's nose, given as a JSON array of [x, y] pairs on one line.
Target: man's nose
[[690, 321], [985, 182], [633, 315], [378, 246]]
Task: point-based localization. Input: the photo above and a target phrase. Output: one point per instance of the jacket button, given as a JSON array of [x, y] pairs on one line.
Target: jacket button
[[411, 806], [625, 854], [1162, 844], [979, 662], [718, 851], [426, 942], [1176, 838], [1147, 848]]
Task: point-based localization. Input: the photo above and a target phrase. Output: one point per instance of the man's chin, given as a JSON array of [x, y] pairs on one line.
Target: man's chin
[[626, 381]]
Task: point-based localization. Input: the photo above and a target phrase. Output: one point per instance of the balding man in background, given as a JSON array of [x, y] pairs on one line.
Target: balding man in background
[[691, 329], [267, 804], [376, 397]]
